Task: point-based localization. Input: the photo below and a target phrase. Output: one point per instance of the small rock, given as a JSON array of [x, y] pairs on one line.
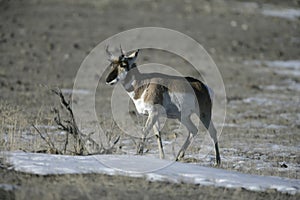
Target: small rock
[[51, 46], [207, 8], [51, 26], [245, 27], [3, 41], [23, 51], [66, 56], [76, 46], [233, 23], [22, 31], [234, 43], [283, 165], [212, 50]]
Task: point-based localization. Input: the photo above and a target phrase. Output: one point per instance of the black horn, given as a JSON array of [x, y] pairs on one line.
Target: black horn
[[123, 53], [111, 56]]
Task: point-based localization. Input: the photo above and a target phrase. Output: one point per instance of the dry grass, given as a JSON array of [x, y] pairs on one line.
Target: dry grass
[[16, 132], [12, 126], [52, 132]]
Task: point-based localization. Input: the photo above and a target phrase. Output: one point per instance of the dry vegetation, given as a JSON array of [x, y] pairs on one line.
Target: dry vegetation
[[75, 142]]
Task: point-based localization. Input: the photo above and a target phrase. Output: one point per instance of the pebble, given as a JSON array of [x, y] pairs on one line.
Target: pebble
[[51, 46], [245, 27], [234, 43], [76, 46], [212, 50], [207, 8], [283, 165], [23, 51], [66, 56], [22, 31], [233, 23]]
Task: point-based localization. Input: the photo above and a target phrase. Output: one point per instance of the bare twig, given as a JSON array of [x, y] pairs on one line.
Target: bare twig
[[82, 142], [66, 142], [47, 140], [70, 126]]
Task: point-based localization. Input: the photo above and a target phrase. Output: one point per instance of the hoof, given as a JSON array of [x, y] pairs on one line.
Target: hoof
[[217, 163], [140, 149], [179, 156]]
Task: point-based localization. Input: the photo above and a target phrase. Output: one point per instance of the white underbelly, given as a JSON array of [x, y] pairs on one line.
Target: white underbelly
[[141, 106]]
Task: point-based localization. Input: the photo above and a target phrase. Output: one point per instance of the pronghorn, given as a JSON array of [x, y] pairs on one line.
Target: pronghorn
[[154, 93]]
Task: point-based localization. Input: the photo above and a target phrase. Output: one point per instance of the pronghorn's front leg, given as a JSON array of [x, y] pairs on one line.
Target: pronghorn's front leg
[[156, 129], [152, 119], [152, 122]]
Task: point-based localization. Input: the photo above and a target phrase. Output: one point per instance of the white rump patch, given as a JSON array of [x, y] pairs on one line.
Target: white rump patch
[[211, 93]]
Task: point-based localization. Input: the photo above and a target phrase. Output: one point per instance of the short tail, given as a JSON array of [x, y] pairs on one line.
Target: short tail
[[198, 86]]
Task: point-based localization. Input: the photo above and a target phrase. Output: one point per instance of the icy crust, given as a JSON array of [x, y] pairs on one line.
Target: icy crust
[[152, 169]]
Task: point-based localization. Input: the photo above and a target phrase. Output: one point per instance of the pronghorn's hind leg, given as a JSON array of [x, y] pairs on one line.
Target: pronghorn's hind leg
[[209, 125], [204, 98], [192, 129]]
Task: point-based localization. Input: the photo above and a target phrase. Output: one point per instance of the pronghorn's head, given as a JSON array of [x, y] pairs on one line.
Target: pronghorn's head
[[120, 65]]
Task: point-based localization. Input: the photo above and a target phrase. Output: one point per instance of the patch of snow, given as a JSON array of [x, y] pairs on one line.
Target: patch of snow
[[73, 91], [267, 10], [155, 177], [41, 126], [287, 13], [275, 147], [290, 64], [150, 168], [288, 72], [8, 187], [166, 142], [230, 125], [293, 86], [255, 124], [271, 99], [256, 100], [274, 87], [275, 126], [262, 101], [288, 67]]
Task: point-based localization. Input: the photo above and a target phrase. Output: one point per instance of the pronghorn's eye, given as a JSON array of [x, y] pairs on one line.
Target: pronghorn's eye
[[113, 65]]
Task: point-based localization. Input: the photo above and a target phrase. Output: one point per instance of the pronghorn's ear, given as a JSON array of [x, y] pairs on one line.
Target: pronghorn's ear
[[132, 57], [134, 54]]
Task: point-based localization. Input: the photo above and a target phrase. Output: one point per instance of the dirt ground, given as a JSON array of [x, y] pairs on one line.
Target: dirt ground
[[42, 44], [95, 186]]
